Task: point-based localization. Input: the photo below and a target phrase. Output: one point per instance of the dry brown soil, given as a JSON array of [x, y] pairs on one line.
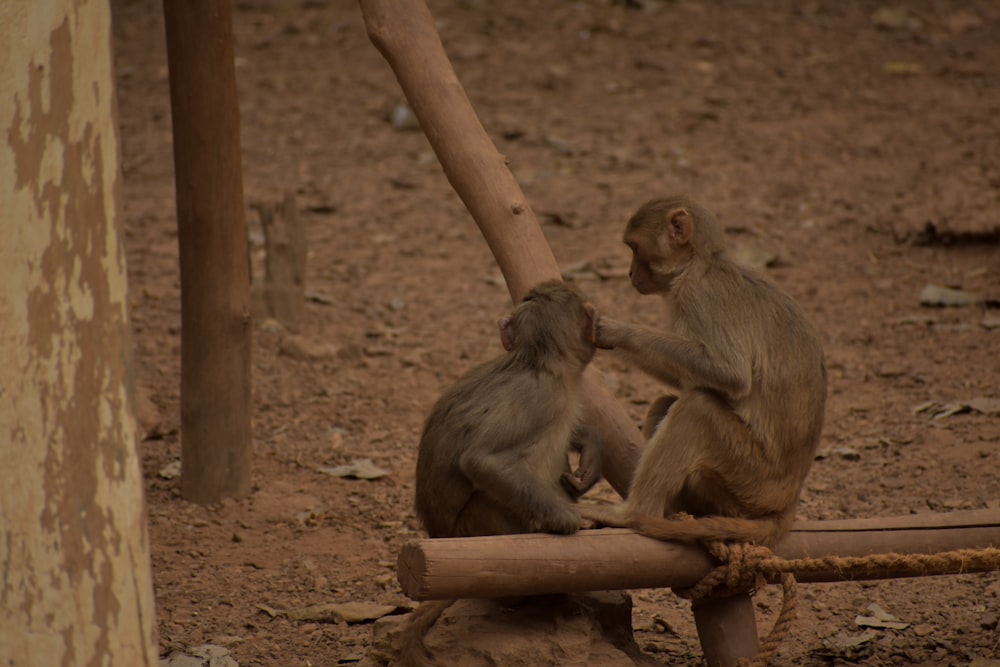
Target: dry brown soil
[[832, 134]]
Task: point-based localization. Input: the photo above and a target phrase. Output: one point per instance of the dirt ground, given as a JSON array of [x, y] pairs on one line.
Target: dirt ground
[[855, 142]]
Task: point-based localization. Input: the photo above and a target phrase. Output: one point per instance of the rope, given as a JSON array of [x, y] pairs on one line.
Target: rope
[[741, 569], [744, 567]]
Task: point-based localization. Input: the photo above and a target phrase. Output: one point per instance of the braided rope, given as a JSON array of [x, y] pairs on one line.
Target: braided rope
[[744, 566]]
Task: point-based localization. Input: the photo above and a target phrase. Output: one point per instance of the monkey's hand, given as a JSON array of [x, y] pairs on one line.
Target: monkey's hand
[[607, 333], [587, 442]]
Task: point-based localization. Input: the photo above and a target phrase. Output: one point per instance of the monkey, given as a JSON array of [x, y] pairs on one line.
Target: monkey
[[493, 456], [734, 446]]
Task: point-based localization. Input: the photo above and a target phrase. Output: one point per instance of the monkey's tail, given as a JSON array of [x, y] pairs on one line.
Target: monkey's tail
[[412, 651], [763, 531]]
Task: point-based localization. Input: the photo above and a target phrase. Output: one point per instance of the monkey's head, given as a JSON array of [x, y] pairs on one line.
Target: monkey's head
[[665, 236], [552, 319]]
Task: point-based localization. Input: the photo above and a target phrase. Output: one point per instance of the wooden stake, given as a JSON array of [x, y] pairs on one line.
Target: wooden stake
[[727, 629], [285, 261], [212, 235], [404, 32]]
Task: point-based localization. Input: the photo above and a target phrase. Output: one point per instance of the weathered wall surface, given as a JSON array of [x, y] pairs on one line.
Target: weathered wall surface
[[75, 583]]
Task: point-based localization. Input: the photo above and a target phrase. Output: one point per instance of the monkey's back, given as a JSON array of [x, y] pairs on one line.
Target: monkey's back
[[494, 406], [763, 324]]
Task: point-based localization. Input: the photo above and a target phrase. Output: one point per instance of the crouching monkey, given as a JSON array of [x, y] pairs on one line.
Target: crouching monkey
[[493, 457]]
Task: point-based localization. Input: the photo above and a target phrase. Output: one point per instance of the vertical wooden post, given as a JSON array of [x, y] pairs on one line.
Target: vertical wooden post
[[215, 280], [727, 629]]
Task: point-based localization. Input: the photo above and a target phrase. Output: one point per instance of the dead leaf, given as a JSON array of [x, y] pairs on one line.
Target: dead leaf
[[962, 21], [754, 257], [891, 18], [303, 349], [356, 469], [583, 269], [981, 405], [936, 295], [336, 612], [880, 618], [851, 641], [986, 406], [171, 470], [902, 68]]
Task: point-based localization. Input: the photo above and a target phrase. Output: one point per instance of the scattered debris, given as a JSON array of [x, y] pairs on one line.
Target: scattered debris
[[844, 640], [356, 469], [754, 257], [936, 295], [561, 146], [844, 453], [990, 323], [963, 21], [880, 619], [892, 18], [981, 405], [336, 612], [582, 270], [925, 320], [272, 326], [303, 349], [942, 234], [844, 646], [206, 655], [902, 68], [402, 118], [171, 471], [557, 219]]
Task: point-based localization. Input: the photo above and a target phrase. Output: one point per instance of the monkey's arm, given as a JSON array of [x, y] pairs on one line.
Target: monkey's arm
[[678, 361], [587, 442], [504, 475]]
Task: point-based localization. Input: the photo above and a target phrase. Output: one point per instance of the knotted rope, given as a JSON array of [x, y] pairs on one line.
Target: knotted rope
[[744, 567]]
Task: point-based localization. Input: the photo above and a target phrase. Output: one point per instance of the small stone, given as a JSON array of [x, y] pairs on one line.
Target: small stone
[[402, 118]]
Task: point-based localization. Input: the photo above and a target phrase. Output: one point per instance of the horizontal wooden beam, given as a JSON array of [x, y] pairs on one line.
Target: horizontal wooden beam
[[613, 558]]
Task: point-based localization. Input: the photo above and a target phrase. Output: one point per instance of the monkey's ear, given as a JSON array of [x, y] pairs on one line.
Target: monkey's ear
[[680, 226], [589, 323], [506, 333]]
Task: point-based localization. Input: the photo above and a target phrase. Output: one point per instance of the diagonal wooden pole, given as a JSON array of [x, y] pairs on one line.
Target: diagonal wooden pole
[[404, 32]]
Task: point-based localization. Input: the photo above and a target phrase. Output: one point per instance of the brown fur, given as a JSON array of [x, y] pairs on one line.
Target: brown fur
[[493, 457], [736, 444]]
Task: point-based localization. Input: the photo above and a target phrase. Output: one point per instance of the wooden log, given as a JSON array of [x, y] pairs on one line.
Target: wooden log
[[216, 439], [613, 558], [403, 31]]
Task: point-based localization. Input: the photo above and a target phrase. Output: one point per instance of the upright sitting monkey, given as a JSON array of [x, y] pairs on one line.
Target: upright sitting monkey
[[493, 457], [735, 445]]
